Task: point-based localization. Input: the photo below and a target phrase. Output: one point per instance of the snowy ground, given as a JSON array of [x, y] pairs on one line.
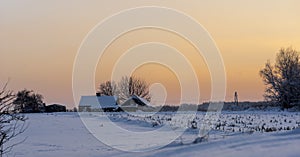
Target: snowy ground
[[64, 134]]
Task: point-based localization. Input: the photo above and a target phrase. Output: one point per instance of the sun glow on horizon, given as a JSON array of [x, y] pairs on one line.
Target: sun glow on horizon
[[39, 42]]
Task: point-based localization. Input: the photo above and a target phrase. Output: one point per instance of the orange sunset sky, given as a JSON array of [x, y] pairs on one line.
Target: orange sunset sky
[[39, 41]]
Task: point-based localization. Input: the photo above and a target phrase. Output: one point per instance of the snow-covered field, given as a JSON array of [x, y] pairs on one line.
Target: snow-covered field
[[234, 134], [228, 122]]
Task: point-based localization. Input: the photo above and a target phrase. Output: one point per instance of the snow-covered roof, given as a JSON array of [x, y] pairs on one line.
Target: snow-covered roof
[[136, 100], [144, 101], [96, 102]]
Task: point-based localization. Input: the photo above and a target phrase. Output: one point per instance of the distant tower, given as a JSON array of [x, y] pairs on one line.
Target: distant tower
[[236, 99]]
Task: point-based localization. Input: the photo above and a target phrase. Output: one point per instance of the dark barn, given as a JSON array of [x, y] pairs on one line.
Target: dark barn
[[56, 108]]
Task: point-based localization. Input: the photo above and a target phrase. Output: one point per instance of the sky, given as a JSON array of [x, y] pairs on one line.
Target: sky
[[40, 40]]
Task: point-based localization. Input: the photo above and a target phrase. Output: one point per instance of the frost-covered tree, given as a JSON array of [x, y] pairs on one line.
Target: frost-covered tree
[[108, 88], [282, 79], [129, 86]]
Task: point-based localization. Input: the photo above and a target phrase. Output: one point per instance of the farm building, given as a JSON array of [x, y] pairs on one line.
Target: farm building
[[98, 103], [56, 108], [136, 103]]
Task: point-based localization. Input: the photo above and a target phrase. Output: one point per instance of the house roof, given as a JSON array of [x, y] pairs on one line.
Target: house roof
[[137, 101], [96, 102], [141, 100], [56, 105]]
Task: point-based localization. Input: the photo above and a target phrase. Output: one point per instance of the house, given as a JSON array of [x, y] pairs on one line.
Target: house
[[136, 103], [98, 103], [55, 108]]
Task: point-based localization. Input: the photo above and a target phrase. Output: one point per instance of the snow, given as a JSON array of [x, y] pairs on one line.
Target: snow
[[64, 134], [99, 101]]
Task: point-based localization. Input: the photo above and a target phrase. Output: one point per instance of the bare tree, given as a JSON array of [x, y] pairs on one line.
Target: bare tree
[[107, 88], [11, 122], [129, 86], [123, 89], [282, 79]]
